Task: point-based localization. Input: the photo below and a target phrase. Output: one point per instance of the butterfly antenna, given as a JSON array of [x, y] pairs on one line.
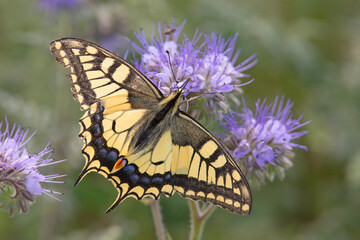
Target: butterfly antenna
[[185, 83], [171, 67]]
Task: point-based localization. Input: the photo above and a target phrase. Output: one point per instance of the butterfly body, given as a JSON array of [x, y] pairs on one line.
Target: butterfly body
[[139, 139]]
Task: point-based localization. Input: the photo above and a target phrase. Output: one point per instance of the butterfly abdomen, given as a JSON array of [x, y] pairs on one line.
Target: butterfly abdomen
[[158, 122]]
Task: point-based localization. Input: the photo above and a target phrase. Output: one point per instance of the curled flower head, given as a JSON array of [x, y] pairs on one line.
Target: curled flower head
[[262, 142], [19, 175], [210, 65]]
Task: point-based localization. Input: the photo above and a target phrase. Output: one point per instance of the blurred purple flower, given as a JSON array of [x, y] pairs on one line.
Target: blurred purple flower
[[114, 43], [19, 175], [264, 138], [54, 5]]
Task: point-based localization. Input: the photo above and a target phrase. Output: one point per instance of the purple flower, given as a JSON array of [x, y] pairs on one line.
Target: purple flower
[[210, 65], [218, 66], [155, 57], [19, 175], [264, 140]]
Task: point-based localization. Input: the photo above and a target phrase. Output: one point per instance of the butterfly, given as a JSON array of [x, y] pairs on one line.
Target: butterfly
[[139, 139]]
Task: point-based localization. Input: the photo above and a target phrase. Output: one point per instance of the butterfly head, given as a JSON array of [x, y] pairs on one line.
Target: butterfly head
[[174, 100]]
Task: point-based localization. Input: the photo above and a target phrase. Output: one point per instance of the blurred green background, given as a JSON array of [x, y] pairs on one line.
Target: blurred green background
[[307, 50]]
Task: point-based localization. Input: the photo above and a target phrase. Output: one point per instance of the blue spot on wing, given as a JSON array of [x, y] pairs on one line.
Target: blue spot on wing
[[157, 181], [144, 181], [112, 156], [134, 178], [128, 170], [102, 153]]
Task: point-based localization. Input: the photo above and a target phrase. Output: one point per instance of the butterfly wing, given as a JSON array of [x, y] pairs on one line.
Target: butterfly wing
[[202, 169], [117, 98], [97, 73], [182, 155]]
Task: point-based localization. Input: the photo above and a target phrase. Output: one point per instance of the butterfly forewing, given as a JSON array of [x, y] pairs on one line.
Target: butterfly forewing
[[97, 73], [141, 148]]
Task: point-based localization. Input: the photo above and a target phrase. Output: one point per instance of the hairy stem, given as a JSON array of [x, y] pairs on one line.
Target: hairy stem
[[158, 222], [198, 219]]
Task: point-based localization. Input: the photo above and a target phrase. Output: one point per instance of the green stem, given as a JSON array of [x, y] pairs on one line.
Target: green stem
[[159, 225], [198, 219]]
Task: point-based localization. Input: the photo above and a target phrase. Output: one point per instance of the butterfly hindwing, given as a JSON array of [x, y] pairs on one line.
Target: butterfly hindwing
[[203, 169], [186, 159]]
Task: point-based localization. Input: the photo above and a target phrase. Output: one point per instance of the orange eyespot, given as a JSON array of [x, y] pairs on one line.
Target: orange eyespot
[[120, 163]]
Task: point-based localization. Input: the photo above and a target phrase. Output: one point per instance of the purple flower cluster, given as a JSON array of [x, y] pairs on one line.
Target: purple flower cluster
[[260, 141], [264, 138], [210, 65], [19, 175]]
